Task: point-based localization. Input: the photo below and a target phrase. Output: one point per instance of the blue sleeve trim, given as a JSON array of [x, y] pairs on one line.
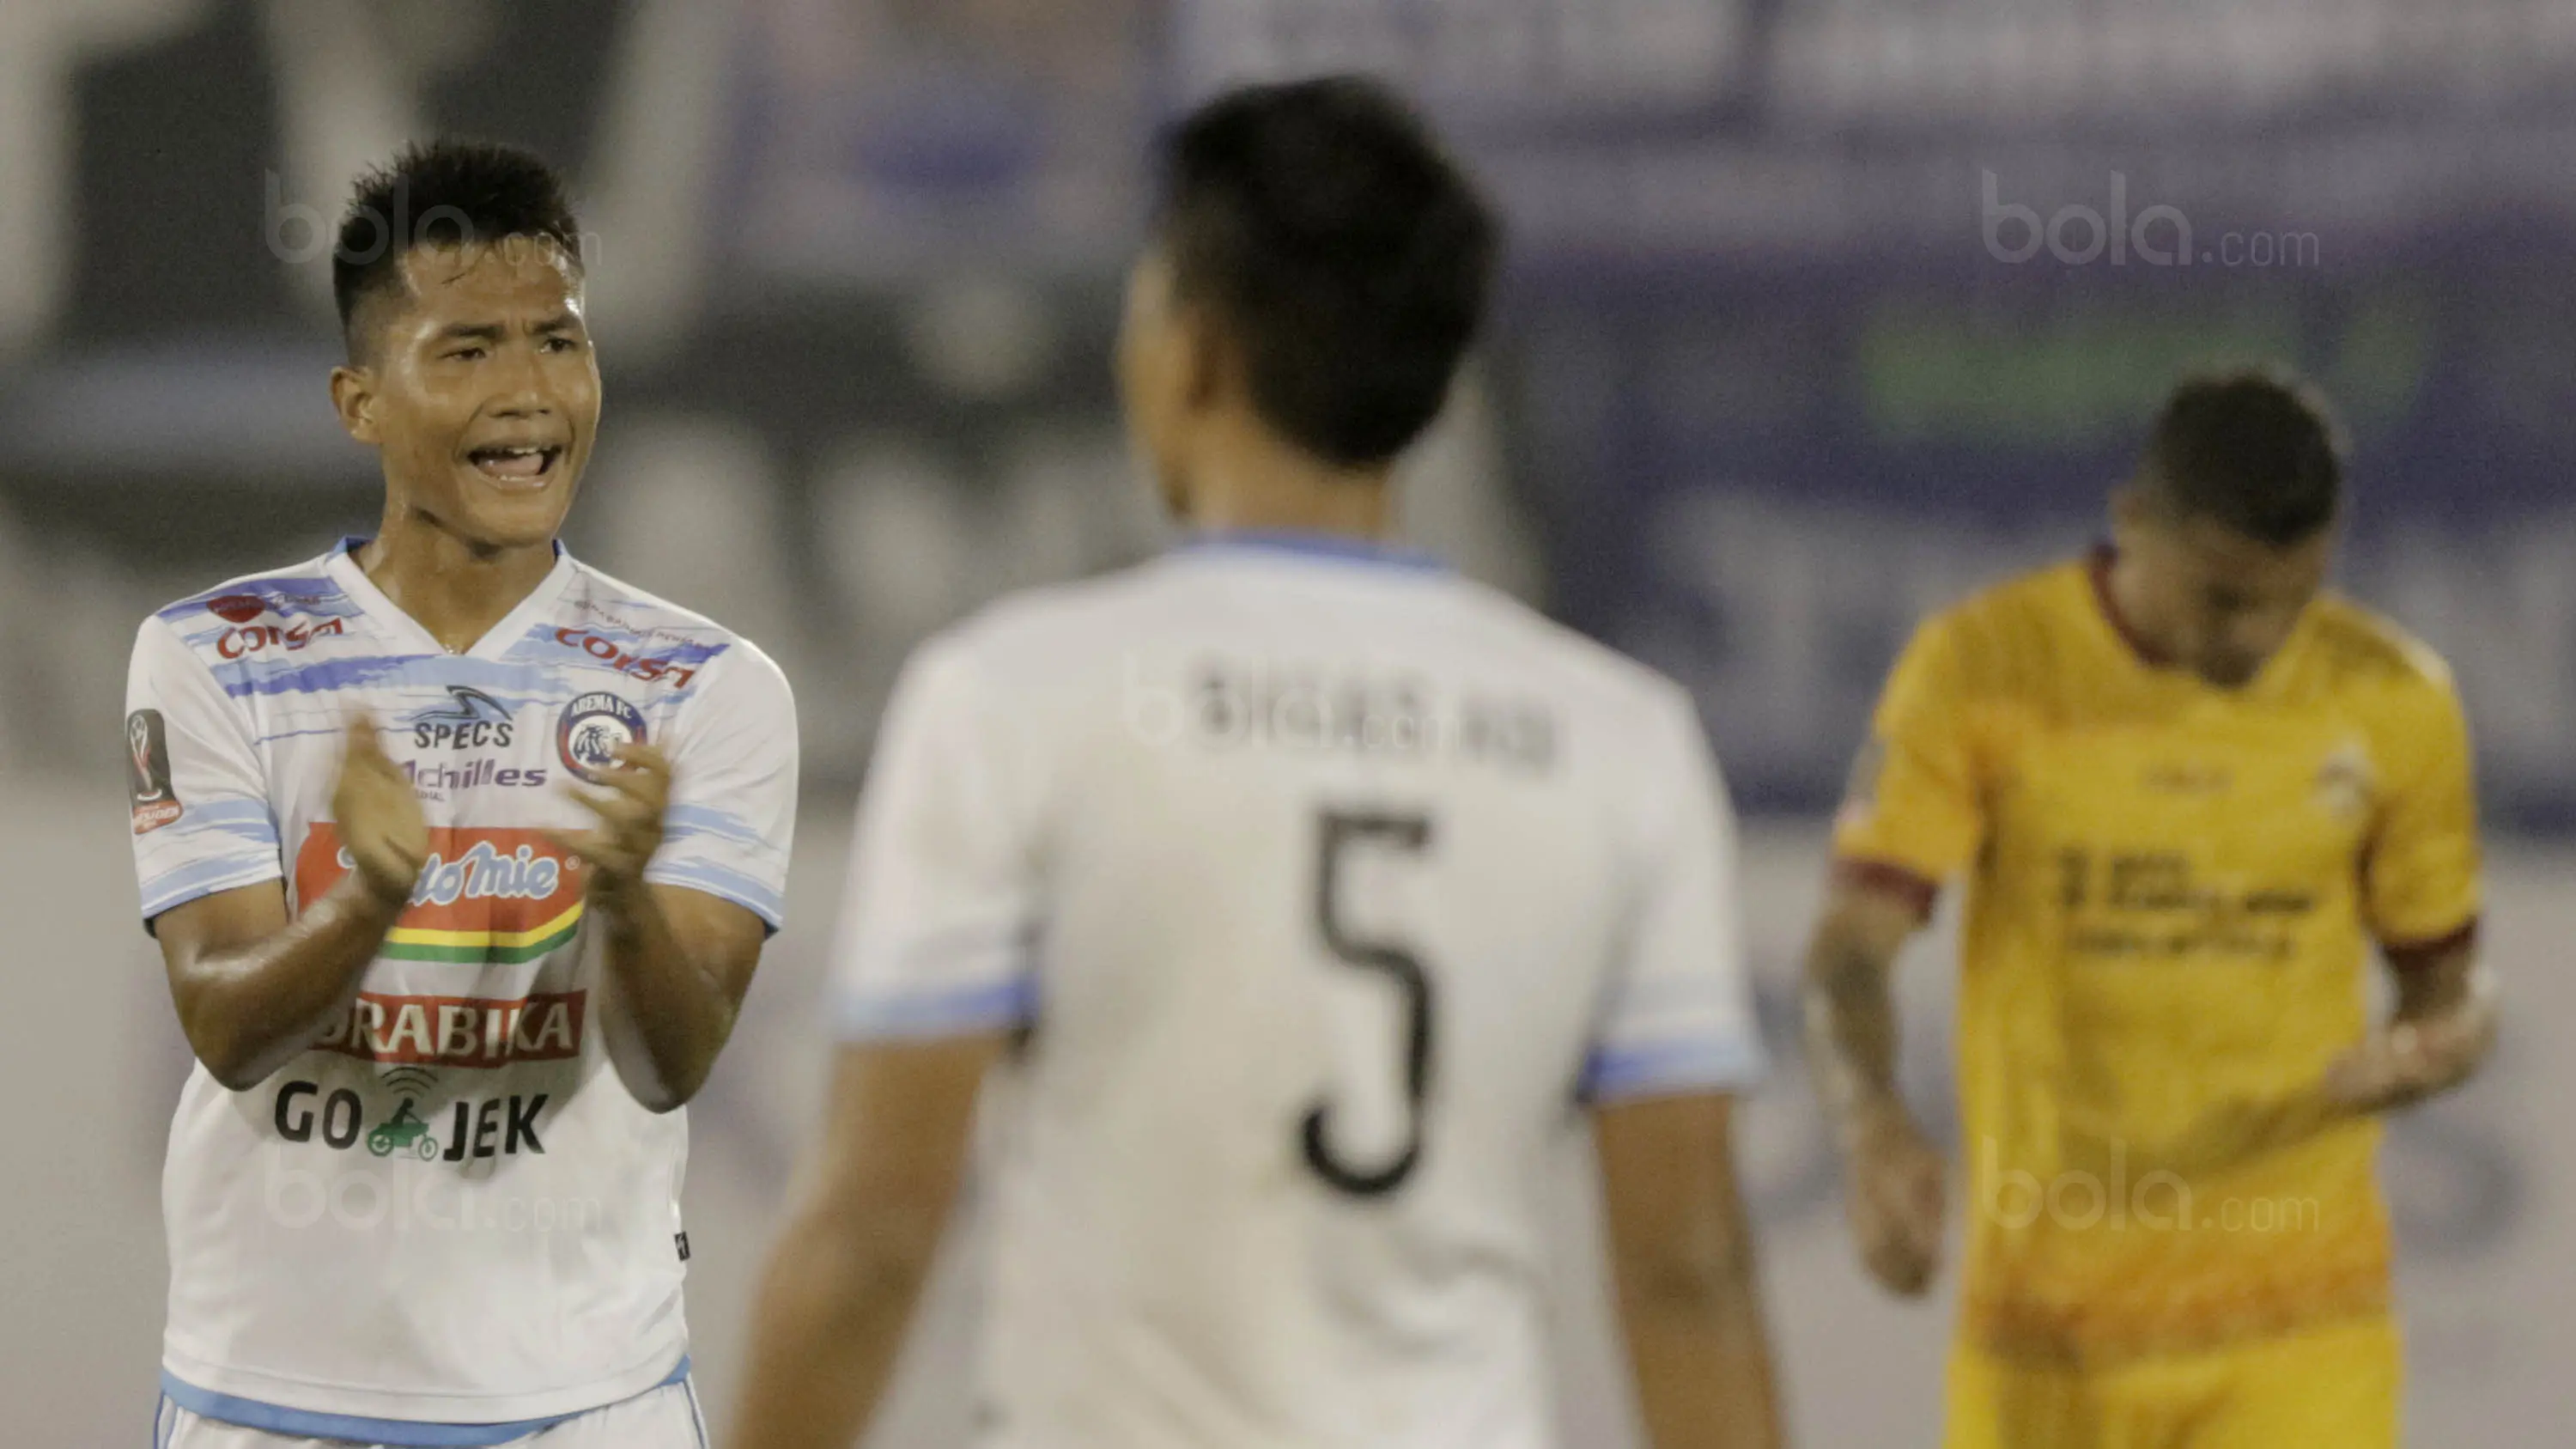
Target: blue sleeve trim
[[1701, 1064], [205, 878], [961, 1011], [398, 1433], [756, 896], [246, 820], [686, 820]]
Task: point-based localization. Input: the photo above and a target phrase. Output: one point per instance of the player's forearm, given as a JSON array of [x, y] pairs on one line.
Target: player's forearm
[[668, 1013], [2452, 983], [1702, 1360], [1851, 1028], [250, 1009], [831, 1320]]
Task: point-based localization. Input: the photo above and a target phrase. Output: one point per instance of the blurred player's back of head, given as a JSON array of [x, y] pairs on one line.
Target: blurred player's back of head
[[1318, 268]]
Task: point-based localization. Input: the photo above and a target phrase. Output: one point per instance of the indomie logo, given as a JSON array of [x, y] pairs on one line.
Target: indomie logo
[[482, 871], [485, 895], [459, 1031], [251, 638]]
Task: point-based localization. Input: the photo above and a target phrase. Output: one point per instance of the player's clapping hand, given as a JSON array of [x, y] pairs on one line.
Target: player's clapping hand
[[629, 808], [2414, 1058], [1895, 1194], [379, 817]]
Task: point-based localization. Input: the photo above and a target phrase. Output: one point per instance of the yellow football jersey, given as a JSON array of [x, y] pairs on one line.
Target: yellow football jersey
[[2172, 888]]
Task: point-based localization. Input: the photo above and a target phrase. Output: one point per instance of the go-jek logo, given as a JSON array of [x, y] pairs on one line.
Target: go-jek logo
[[484, 895]]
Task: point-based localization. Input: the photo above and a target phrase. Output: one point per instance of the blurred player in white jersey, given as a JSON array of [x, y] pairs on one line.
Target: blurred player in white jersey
[[1288, 893], [461, 855]]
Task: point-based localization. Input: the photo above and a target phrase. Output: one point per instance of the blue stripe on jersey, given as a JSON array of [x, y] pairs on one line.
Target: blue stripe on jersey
[[959, 1011], [757, 897], [514, 685], [1341, 546], [323, 677], [666, 644], [1698, 1064], [206, 877], [697, 1416], [399, 1433]]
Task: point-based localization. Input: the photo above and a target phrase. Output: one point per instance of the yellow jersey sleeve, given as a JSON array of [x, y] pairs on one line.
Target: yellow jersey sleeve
[[2421, 881], [1914, 813]]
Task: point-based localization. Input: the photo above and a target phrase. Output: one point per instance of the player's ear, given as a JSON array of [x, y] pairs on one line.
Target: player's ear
[[2130, 507], [1209, 360], [353, 397]]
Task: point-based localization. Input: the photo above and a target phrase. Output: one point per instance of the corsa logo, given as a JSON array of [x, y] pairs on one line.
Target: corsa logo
[[252, 638], [626, 661], [485, 896], [459, 1031]]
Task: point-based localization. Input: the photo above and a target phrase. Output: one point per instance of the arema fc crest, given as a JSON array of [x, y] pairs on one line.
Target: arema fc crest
[[594, 726]]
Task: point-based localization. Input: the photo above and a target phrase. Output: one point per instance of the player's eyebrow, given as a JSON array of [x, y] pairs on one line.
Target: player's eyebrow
[[470, 332], [564, 321]]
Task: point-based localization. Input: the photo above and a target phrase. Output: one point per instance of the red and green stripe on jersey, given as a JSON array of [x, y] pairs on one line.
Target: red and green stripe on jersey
[[486, 896]]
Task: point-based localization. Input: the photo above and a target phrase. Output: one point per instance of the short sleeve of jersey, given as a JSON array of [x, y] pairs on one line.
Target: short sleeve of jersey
[[941, 913], [1913, 804], [202, 818], [731, 820], [1677, 1015], [2422, 877]]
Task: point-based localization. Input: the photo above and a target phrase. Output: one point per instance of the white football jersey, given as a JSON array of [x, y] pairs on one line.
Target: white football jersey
[[449, 1210], [1324, 883]]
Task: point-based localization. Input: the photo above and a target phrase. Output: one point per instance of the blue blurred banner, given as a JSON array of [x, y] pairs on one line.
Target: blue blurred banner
[[1761, 484], [1826, 313]]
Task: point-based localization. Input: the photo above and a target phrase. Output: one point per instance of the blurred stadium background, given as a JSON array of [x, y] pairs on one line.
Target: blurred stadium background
[[1822, 311]]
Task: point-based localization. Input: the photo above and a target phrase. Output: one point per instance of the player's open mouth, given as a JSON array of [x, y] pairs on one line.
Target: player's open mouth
[[516, 463]]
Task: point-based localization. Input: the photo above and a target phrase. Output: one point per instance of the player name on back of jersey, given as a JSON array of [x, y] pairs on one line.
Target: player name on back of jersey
[[1321, 709]]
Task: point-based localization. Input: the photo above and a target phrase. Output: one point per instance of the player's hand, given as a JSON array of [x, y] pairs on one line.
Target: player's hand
[[2412, 1059], [379, 817], [1895, 1193], [629, 808]]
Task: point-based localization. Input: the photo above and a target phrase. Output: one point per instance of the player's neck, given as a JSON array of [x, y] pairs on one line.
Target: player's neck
[[1259, 485], [454, 589]]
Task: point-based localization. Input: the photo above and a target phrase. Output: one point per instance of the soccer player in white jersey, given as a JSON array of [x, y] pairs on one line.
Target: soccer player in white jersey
[[1284, 895], [461, 855]]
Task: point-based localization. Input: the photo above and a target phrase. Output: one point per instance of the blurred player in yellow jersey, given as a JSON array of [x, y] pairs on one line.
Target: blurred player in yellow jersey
[[2188, 791]]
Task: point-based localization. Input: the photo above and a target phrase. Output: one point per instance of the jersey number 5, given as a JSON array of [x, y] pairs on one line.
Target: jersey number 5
[[1336, 831]]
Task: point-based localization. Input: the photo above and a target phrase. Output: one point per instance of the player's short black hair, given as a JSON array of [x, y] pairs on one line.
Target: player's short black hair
[[2253, 449], [443, 193], [1346, 255]]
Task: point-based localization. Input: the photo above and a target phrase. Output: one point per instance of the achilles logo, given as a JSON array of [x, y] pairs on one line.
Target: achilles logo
[[460, 1031]]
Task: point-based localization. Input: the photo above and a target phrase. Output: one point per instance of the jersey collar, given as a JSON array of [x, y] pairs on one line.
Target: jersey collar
[[343, 568], [2097, 569], [1336, 547]]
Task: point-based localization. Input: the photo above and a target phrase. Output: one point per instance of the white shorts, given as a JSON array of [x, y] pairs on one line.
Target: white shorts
[[663, 1418]]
